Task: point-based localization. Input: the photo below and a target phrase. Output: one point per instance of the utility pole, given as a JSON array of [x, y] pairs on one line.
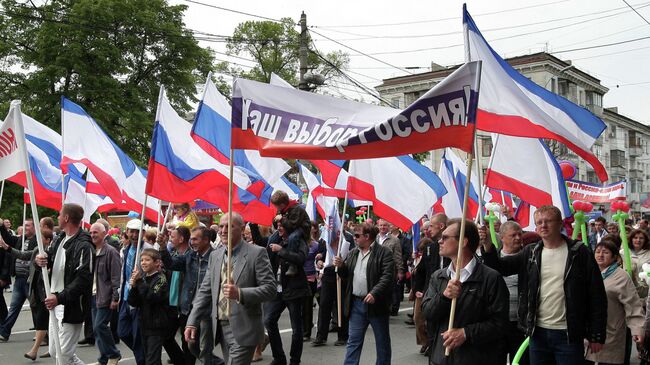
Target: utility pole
[[303, 85]]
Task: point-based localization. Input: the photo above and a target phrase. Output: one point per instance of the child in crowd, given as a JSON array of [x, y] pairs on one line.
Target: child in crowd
[[150, 292]]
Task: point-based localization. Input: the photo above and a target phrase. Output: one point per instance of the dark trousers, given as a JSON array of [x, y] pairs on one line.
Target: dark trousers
[[553, 347], [3, 305], [189, 358], [514, 338], [398, 296], [308, 310], [129, 331], [171, 347], [272, 312], [88, 316], [19, 295], [326, 304], [114, 318], [152, 349]]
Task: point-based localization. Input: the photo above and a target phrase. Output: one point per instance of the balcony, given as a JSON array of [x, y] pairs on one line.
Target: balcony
[[636, 174], [635, 151], [616, 171]]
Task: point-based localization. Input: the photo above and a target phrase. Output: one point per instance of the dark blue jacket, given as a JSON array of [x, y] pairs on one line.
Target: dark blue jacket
[[193, 266]]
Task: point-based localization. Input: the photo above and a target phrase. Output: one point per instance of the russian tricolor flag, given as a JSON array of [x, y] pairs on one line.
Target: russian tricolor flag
[[512, 104], [211, 131], [402, 190], [452, 174], [181, 171], [527, 168]]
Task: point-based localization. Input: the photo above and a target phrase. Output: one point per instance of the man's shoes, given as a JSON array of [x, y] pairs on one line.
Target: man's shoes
[[424, 349], [410, 315], [306, 338], [340, 343], [318, 342], [4, 338], [114, 360], [410, 322], [87, 341], [427, 352], [278, 362]]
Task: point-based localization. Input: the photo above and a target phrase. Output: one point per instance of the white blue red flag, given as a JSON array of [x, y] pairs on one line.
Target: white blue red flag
[[288, 187], [527, 168], [211, 130], [452, 174], [512, 104], [402, 190], [316, 199], [525, 216], [283, 122], [181, 171]]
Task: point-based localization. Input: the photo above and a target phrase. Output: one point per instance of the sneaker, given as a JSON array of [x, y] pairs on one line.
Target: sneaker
[[114, 360]]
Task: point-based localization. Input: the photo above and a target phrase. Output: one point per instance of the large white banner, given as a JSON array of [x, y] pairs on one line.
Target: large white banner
[[580, 190]]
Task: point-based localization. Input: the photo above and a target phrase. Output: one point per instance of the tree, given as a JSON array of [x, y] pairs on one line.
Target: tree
[[275, 47], [110, 56]]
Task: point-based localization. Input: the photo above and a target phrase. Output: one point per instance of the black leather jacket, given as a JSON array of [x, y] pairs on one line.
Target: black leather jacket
[[380, 274], [78, 277], [584, 291]]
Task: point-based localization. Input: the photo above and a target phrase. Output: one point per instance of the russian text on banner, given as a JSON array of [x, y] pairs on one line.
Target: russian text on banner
[[283, 122]]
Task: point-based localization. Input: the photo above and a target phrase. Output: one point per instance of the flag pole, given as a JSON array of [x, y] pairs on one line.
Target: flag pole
[[63, 153], [463, 221], [2, 191], [137, 247], [170, 207], [22, 236], [159, 216], [39, 238], [230, 191], [491, 161], [479, 213], [339, 301]]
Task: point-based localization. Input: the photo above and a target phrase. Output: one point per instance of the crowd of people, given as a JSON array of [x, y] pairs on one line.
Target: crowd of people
[[573, 300]]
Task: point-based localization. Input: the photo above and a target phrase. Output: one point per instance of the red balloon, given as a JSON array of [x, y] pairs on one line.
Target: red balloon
[[616, 205], [363, 209], [358, 212], [625, 207], [588, 207], [568, 168]]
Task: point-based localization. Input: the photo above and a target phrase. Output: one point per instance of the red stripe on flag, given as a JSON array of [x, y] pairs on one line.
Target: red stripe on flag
[[535, 196], [379, 208], [519, 126]]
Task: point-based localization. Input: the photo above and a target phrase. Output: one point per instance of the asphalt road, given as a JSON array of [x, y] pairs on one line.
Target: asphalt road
[[405, 351]]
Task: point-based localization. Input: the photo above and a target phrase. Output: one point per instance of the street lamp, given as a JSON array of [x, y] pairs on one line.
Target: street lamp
[[561, 70]]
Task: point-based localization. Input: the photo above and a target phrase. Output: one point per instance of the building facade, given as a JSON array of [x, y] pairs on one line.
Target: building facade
[[623, 148]]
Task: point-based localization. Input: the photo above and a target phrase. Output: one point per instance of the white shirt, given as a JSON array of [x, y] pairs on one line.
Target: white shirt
[[465, 272], [383, 238], [360, 279], [58, 268]]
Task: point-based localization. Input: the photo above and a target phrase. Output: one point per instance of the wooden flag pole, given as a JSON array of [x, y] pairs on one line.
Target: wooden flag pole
[[461, 238], [39, 238], [339, 301], [230, 191], [137, 247], [2, 192]]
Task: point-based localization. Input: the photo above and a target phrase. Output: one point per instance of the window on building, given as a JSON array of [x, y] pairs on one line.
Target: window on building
[[612, 131], [633, 140], [593, 98], [592, 177], [395, 103], [617, 158], [486, 147], [409, 98]]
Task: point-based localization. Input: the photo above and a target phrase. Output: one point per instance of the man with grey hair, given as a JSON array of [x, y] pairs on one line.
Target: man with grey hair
[[250, 284], [510, 234], [105, 294], [108, 238]]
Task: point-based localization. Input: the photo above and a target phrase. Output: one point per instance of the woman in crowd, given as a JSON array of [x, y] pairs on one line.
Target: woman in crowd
[[416, 294], [37, 295], [184, 217], [624, 308], [316, 250]]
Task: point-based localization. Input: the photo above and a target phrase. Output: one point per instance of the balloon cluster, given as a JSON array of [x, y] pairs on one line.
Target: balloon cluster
[[621, 208], [361, 214], [491, 218], [580, 216]]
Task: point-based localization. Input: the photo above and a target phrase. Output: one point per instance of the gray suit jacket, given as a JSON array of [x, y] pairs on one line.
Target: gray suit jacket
[[395, 246], [253, 276]]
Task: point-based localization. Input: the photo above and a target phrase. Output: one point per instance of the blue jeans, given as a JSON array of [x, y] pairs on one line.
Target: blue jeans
[[359, 321], [18, 297], [272, 312], [553, 347], [128, 328], [103, 334]]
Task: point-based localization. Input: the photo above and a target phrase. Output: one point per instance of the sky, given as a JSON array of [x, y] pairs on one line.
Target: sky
[[385, 37]]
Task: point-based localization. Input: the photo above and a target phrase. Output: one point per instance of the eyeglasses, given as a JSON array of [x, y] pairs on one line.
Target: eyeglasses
[[357, 235], [445, 237]]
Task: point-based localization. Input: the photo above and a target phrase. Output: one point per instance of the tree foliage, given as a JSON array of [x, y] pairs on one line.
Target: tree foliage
[[275, 47], [110, 56]]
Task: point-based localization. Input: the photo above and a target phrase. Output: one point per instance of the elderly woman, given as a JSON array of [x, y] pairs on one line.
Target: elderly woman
[[624, 308]]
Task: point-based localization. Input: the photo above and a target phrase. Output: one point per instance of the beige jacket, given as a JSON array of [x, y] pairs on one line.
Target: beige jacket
[[624, 309]]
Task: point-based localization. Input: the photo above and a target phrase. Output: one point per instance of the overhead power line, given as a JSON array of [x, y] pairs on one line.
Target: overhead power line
[[439, 19], [637, 13], [233, 11]]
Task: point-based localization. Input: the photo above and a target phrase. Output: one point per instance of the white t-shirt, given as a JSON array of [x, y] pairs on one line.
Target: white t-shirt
[[58, 268], [551, 312]]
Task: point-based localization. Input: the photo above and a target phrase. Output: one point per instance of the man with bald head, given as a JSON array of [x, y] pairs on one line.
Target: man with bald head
[[105, 294]]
